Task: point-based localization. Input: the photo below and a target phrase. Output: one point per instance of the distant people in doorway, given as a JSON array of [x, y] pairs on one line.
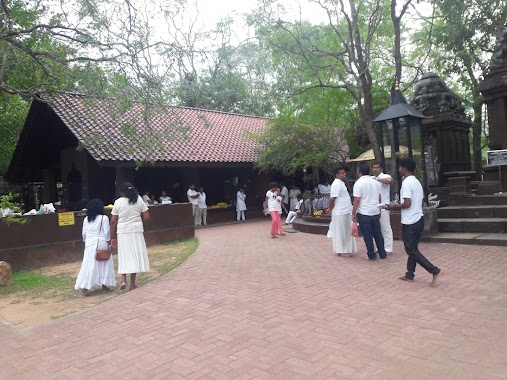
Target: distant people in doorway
[[193, 196], [202, 208], [240, 204], [164, 198], [127, 233], [412, 220], [294, 195]]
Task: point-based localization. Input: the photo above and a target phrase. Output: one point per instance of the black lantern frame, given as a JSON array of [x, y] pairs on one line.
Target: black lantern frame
[[400, 132]]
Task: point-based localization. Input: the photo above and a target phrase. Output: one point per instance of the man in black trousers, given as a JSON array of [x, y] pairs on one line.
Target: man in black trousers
[[412, 219]]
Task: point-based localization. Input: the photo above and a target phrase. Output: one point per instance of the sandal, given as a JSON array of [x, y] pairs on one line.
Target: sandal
[[84, 292], [123, 286], [273, 236], [133, 287]]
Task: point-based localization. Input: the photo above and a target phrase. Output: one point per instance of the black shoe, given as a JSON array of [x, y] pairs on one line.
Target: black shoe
[[405, 278], [436, 276]]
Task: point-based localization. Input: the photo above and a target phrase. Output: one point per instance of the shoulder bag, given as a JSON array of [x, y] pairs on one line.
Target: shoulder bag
[[102, 254]]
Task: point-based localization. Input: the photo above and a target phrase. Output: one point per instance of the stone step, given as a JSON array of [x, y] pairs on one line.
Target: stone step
[[484, 225], [467, 238], [325, 219], [310, 227], [478, 200], [472, 212]]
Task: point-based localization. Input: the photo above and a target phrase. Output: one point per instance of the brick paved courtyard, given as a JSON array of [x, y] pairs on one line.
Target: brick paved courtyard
[[246, 306]]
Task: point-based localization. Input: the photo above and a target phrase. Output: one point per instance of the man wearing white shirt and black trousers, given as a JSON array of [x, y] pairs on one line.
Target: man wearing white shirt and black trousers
[[412, 219], [366, 212], [385, 197]]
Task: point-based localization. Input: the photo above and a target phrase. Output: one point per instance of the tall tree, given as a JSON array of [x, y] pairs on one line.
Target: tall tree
[[338, 55]]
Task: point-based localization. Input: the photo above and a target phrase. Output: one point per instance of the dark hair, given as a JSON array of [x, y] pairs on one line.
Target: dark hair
[[273, 184], [93, 208], [379, 163], [129, 191], [364, 169], [407, 163], [338, 169]]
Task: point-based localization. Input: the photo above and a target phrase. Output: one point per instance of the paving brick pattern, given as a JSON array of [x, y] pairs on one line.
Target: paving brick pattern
[[246, 306]]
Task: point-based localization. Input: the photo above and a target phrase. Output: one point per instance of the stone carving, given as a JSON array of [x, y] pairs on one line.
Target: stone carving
[[499, 58], [433, 98], [5, 274]]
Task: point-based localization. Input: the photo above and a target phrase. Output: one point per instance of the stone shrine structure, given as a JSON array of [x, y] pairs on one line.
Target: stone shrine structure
[[445, 130], [494, 90]]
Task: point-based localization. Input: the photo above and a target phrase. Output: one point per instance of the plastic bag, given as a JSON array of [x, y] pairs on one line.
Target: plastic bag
[[354, 230]]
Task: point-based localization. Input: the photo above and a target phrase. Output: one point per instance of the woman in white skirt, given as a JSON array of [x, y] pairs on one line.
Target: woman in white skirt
[[127, 217], [340, 208], [96, 236]]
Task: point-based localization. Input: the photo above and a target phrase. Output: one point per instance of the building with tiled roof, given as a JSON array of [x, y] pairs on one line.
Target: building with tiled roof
[[84, 146]]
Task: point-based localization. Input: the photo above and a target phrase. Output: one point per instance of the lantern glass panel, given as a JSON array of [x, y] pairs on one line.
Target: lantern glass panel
[[388, 145], [416, 140]]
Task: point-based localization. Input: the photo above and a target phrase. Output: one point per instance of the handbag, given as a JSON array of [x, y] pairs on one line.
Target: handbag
[[102, 254]]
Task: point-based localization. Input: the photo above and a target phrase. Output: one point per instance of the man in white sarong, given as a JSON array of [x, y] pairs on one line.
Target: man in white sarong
[[340, 208], [385, 198]]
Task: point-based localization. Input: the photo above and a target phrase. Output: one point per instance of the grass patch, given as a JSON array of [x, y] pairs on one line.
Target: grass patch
[[34, 283], [31, 281]]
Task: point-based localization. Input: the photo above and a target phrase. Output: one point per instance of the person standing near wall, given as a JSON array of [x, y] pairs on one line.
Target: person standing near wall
[[412, 220], [202, 209], [240, 204], [193, 196], [385, 181]]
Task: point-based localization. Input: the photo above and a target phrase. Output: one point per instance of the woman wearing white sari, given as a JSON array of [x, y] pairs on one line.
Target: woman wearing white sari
[[96, 236], [340, 207], [127, 218]]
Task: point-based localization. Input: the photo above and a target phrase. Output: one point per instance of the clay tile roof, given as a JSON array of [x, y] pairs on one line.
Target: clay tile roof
[[175, 134]]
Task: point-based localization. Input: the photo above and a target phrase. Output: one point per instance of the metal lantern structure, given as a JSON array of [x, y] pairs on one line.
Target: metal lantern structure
[[400, 128]]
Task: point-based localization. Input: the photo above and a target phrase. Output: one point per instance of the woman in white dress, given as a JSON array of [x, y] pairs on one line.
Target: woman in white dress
[[127, 217], [240, 204], [96, 236]]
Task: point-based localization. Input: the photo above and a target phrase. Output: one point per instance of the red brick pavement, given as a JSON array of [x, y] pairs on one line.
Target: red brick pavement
[[246, 306]]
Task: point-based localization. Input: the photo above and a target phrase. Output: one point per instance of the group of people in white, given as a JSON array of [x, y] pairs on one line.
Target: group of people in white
[[199, 207], [151, 200], [370, 210]]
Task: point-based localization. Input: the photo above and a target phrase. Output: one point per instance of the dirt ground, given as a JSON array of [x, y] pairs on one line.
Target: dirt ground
[[28, 309]]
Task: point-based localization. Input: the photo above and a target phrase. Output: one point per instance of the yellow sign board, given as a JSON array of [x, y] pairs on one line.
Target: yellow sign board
[[66, 219]]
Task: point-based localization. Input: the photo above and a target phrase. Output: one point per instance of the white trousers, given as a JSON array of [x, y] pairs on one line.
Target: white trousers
[[387, 232], [202, 214], [240, 215], [290, 218]]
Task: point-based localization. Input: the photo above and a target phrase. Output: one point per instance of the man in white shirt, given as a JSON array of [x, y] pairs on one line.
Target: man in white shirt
[[385, 181], [367, 213], [340, 209], [325, 188], [412, 220], [202, 209], [193, 199], [285, 197]]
